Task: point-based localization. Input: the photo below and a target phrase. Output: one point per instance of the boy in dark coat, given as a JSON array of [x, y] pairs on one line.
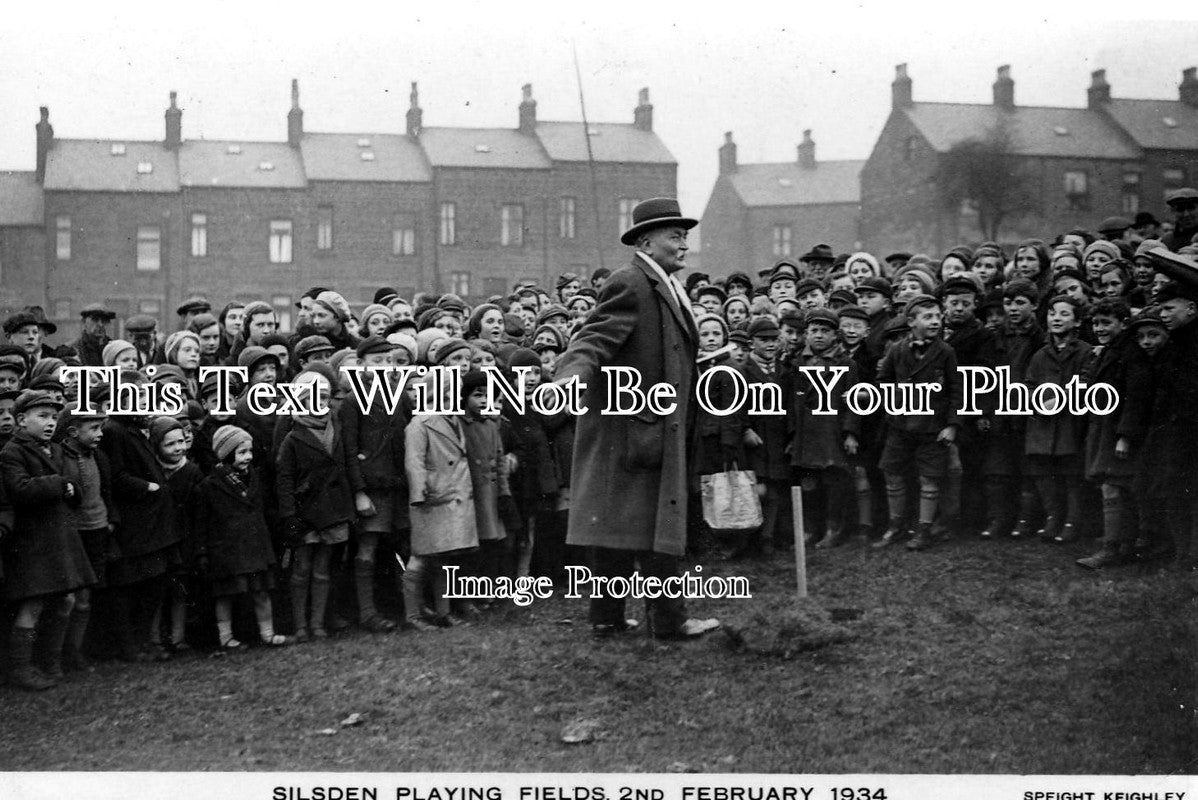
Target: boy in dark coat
[[821, 444], [44, 558], [1113, 441], [919, 439], [767, 440]]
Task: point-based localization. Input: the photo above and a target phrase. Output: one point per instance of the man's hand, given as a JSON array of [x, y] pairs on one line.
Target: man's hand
[[152, 487], [948, 435]]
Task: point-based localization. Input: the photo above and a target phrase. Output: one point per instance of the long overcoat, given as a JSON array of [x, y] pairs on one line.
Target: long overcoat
[[233, 532], [1125, 367], [439, 486], [44, 554], [1063, 433], [629, 473], [313, 484], [146, 518]]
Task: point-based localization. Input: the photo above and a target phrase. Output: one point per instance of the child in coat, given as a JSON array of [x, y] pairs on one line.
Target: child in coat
[[1055, 443], [488, 476], [45, 562], [316, 502], [441, 509], [235, 548], [923, 357], [95, 517], [168, 437], [766, 440]]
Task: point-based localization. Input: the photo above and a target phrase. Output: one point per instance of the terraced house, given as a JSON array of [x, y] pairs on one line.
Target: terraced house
[[141, 225]]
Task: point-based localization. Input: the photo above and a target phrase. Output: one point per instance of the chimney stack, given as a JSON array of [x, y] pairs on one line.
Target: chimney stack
[[528, 111], [900, 89], [1004, 89], [295, 117], [728, 155], [807, 151], [642, 115], [415, 114], [45, 137], [1188, 88], [174, 125], [1099, 93]]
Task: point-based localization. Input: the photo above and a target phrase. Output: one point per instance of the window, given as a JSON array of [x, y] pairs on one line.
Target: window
[[781, 240], [626, 207], [199, 235], [62, 240], [324, 228], [511, 232], [459, 283], [449, 229], [282, 304], [1077, 190], [403, 235], [1130, 203], [149, 247], [280, 241], [566, 218]]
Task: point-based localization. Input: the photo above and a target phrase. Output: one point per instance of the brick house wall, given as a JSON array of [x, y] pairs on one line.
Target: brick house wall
[[22, 268], [724, 231]]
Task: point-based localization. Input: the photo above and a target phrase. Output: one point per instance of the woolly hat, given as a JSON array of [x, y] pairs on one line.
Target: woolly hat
[[985, 249], [335, 303], [1021, 287], [712, 318], [441, 349], [557, 335], [864, 258], [475, 325], [160, 427], [523, 357], [926, 280], [227, 439], [451, 302], [175, 341], [385, 296], [373, 309], [551, 311], [737, 298], [425, 340], [513, 326], [405, 341], [1102, 246]]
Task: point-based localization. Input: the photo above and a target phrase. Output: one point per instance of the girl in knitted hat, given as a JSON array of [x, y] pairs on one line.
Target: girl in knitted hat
[[234, 546], [183, 478], [375, 319]]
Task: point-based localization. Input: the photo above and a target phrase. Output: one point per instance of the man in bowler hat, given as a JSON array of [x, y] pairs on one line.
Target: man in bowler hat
[[630, 471]]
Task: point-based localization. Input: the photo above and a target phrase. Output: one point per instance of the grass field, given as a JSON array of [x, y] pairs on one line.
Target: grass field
[[972, 657]]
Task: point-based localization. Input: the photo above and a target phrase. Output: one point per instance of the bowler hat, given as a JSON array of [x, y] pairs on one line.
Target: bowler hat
[[18, 321], [821, 252], [656, 213], [98, 311]]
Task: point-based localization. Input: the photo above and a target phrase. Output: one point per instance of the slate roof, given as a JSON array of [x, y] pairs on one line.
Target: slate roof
[[20, 199], [610, 142], [89, 165], [1034, 129], [788, 184], [338, 157], [209, 163], [504, 148], [1145, 121]]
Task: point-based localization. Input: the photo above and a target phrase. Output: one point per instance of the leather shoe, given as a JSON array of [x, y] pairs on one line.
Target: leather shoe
[[691, 629]]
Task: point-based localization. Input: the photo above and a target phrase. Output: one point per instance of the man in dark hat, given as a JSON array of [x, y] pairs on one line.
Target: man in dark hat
[[1184, 205], [93, 337], [630, 473], [818, 260], [191, 308], [1147, 226], [142, 331]]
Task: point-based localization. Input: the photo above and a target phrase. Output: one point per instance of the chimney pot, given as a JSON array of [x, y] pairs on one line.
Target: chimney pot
[[642, 115], [1188, 89], [174, 124], [1099, 93], [807, 151], [295, 117], [900, 88], [728, 155], [415, 114], [528, 110], [1004, 88], [45, 137]]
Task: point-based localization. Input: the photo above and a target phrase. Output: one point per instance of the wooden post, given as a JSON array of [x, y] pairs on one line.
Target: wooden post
[[796, 502]]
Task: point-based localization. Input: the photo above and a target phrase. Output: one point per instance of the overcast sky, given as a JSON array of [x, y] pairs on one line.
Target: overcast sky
[[763, 71]]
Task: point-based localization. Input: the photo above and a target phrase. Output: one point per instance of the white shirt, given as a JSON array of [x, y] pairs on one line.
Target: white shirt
[[679, 293]]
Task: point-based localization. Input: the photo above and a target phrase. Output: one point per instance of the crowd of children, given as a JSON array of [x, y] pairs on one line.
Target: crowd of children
[[135, 536]]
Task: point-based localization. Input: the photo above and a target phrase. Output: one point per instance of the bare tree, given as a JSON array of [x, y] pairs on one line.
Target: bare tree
[[986, 173]]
